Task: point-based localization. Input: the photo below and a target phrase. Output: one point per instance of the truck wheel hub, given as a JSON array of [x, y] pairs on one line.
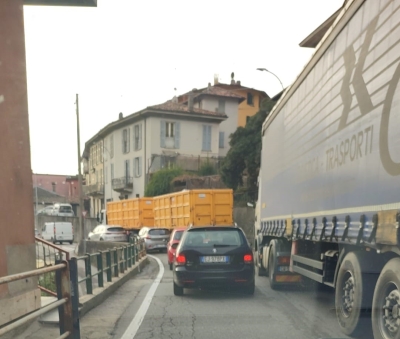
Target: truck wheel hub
[[348, 295], [391, 311]]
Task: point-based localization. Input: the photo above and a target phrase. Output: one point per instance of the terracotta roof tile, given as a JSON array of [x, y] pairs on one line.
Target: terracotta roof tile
[[177, 107]]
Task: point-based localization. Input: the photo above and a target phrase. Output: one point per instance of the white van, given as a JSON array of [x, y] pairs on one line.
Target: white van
[[63, 210], [58, 232]]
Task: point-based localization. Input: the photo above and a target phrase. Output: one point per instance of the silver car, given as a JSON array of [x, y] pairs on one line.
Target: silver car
[[108, 233], [155, 238]]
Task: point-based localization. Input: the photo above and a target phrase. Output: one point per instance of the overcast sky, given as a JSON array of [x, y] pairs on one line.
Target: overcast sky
[[126, 55]]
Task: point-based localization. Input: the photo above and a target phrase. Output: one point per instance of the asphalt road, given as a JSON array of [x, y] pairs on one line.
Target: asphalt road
[[220, 314], [269, 314]]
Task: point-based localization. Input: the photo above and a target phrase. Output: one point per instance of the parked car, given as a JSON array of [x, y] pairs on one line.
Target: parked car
[[63, 210], [58, 232], [155, 238], [108, 233], [48, 210], [212, 257], [173, 243]]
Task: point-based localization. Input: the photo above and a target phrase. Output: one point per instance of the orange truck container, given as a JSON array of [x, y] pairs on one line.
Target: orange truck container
[[199, 207], [132, 214]]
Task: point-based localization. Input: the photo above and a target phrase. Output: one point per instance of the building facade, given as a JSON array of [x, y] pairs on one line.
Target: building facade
[[142, 143]]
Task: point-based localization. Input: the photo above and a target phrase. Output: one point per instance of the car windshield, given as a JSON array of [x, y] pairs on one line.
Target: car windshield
[[159, 232], [178, 235], [115, 229], [212, 237]]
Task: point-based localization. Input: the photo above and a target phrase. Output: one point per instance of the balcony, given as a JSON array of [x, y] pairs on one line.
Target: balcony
[[94, 190], [123, 185]]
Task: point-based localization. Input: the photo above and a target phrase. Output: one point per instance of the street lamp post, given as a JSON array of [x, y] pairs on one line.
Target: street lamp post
[[264, 69]]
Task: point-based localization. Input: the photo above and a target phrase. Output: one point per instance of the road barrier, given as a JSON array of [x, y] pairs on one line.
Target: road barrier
[[62, 275], [111, 262], [67, 301]]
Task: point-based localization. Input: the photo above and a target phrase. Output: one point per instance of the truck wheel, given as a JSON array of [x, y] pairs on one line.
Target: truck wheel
[[178, 290], [261, 272], [353, 295], [386, 302], [271, 265]]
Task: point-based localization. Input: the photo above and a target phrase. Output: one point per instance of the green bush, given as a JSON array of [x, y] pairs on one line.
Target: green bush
[[160, 182], [207, 169]]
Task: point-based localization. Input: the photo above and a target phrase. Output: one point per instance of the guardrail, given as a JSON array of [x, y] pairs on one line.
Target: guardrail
[[111, 262], [67, 302], [47, 255]]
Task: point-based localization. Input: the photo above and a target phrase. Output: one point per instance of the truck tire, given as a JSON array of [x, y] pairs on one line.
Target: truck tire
[[386, 302], [271, 265], [177, 289], [260, 271], [353, 295]]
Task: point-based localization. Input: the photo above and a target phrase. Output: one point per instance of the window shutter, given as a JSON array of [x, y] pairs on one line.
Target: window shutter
[[123, 146], [140, 136], [177, 134], [162, 133], [221, 139], [129, 140], [140, 167], [208, 138], [204, 146]]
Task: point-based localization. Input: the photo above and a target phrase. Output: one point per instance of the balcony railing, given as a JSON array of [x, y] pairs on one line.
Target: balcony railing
[[124, 184], [94, 189]]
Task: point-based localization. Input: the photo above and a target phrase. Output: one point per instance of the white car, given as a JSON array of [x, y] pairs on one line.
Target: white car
[[108, 233], [63, 210]]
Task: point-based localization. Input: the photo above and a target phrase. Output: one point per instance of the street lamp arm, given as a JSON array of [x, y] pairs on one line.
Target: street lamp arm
[[264, 69]]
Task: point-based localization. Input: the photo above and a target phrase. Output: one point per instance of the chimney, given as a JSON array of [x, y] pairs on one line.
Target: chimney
[[216, 79], [238, 83], [175, 99], [190, 102], [120, 116], [232, 78]]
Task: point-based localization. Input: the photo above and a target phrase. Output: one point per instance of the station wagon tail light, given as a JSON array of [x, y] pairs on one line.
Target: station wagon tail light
[[248, 258], [180, 259]]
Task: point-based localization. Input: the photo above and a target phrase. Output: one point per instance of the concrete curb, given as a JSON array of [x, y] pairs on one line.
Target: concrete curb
[[100, 294]]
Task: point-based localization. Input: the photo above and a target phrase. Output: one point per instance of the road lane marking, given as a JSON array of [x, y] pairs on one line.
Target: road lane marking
[[140, 314]]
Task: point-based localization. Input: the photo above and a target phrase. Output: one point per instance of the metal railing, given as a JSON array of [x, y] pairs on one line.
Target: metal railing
[[95, 189], [110, 263], [47, 255], [67, 301], [124, 183]]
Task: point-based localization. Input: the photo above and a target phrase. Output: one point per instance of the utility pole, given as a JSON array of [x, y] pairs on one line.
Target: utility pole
[[80, 214]]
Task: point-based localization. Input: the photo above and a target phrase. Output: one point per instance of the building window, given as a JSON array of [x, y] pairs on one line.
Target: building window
[[170, 134], [101, 151], [206, 138], [250, 100], [138, 166], [111, 145], [125, 140], [127, 169], [112, 171], [221, 106], [137, 137], [53, 185], [221, 139], [169, 129]]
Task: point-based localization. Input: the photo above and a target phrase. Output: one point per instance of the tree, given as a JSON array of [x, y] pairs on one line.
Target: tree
[[160, 183], [244, 156]]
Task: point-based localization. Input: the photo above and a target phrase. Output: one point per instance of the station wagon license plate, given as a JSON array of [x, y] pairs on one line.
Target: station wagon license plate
[[210, 259]]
